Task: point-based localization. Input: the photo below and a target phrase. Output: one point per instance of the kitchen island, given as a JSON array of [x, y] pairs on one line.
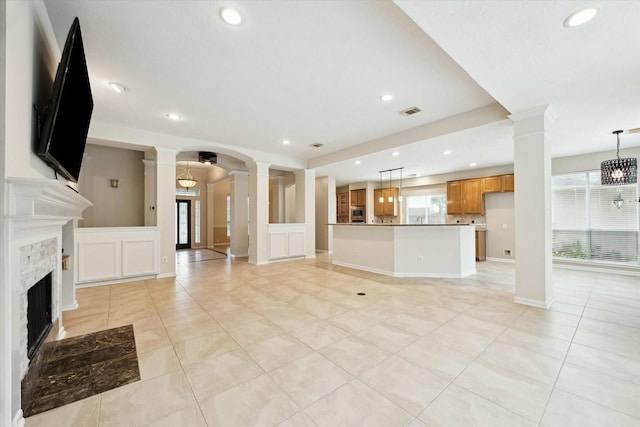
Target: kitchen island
[[406, 250]]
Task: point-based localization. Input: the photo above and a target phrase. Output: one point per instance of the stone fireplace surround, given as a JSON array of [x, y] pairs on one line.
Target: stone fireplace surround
[[37, 211]]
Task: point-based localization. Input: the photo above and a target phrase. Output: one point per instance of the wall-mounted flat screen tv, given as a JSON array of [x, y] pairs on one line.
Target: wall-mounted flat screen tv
[[65, 119]]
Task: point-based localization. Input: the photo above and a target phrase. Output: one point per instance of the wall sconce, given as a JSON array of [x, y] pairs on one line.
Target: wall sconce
[[114, 183]]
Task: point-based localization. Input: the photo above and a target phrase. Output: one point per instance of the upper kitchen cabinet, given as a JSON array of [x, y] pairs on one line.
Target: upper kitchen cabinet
[[507, 182], [497, 184], [389, 204], [464, 197], [491, 184], [359, 197], [454, 197], [472, 196]]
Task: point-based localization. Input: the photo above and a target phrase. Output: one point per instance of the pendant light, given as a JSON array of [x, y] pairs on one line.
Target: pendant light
[[390, 198], [381, 198], [188, 181], [618, 201], [619, 171]]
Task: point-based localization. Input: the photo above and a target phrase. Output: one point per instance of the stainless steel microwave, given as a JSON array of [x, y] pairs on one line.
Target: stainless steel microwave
[[357, 213]]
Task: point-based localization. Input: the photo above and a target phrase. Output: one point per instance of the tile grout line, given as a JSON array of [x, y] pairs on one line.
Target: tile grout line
[[553, 388]]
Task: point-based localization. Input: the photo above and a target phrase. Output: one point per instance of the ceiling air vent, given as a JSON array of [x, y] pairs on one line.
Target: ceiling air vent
[[410, 111], [317, 145]]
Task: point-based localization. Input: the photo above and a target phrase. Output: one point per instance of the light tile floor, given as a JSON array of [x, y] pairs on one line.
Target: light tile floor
[[227, 343]]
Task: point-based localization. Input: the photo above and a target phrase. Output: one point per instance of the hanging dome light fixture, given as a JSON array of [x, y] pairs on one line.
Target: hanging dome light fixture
[[187, 181], [619, 171]]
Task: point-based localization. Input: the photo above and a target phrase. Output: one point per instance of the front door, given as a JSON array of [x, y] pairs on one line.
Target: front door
[[183, 224]]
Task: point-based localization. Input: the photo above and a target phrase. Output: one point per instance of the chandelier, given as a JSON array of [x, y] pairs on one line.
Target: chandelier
[[187, 181], [619, 171]]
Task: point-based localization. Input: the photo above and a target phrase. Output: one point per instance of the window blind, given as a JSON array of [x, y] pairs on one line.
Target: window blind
[[588, 225]]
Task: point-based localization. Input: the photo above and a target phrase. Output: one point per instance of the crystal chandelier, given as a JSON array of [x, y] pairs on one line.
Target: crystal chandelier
[[619, 171]]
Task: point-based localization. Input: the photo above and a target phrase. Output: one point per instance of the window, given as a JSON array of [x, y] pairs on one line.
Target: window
[[588, 225], [187, 192], [426, 209], [197, 213]]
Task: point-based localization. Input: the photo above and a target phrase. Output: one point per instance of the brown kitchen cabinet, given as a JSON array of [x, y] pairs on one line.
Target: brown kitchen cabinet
[[507, 182], [497, 184], [481, 245], [342, 205], [359, 197], [386, 207], [472, 196], [464, 197], [492, 184]]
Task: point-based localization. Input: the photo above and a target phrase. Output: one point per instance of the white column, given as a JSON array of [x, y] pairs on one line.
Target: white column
[[210, 216], [532, 170], [258, 212], [149, 192], [166, 209], [306, 208], [239, 191]]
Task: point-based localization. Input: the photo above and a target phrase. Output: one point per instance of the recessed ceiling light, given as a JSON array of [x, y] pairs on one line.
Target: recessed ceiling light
[[230, 16], [286, 142], [357, 162], [117, 87], [446, 153], [386, 97], [472, 164], [580, 17], [395, 153], [174, 116]]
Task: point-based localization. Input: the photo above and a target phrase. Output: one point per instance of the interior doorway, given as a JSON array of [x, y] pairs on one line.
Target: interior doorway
[[183, 224]]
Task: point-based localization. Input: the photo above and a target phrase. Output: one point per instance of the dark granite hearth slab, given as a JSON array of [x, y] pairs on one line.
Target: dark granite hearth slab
[[79, 367]]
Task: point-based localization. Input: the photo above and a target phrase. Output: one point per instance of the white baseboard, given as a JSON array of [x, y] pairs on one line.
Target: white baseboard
[[18, 419], [123, 280], [71, 306], [163, 276], [505, 260], [61, 333], [238, 256], [534, 303]]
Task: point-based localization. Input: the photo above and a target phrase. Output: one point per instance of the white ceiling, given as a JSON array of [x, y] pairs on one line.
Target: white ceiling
[[313, 71]]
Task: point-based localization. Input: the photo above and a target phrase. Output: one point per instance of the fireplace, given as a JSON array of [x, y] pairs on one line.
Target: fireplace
[[39, 307], [38, 209]]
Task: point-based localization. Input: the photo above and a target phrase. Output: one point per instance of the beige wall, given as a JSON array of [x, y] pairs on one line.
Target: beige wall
[[112, 207], [220, 191], [500, 214]]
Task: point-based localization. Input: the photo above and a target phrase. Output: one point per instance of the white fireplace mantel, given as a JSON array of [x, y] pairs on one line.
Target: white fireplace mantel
[[45, 200]]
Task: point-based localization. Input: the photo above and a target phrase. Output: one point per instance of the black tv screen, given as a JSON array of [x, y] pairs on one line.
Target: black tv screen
[[67, 115]]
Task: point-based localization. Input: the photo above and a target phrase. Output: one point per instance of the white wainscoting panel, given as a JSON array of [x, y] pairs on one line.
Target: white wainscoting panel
[[296, 243], [98, 261], [116, 253], [286, 241], [139, 257]]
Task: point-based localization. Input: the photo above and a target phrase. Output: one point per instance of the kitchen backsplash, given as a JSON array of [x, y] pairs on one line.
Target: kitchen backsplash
[[466, 219]]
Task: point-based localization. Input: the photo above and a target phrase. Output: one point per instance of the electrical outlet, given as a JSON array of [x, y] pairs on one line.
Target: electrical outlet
[[507, 251], [420, 259], [504, 226], [165, 260]]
